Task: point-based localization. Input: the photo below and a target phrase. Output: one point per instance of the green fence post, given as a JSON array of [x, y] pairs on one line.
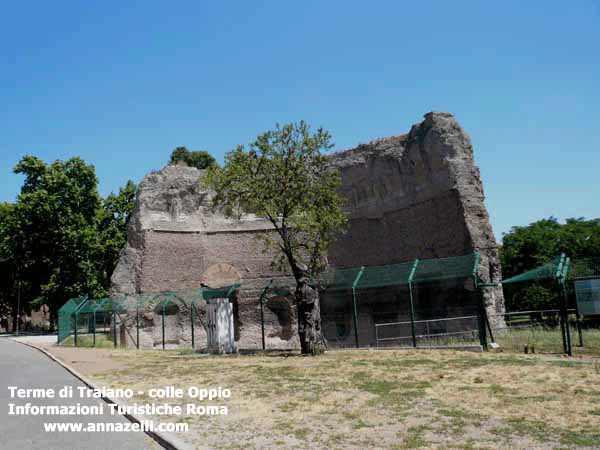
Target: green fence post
[[114, 326], [567, 328], [565, 270], [481, 316], [137, 325], [192, 321], [94, 326], [560, 277], [169, 296], [75, 341], [262, 314], [563, 331], [356, 281], [562, 305], [75, 313], [566, 293], [478, 292], [579, 330], [163, 325], [413, 325], [565, 319], [262, 319], [577, 315]]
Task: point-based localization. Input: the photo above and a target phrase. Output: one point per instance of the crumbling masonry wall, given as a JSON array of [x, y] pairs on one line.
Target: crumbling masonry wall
[[417, 195]]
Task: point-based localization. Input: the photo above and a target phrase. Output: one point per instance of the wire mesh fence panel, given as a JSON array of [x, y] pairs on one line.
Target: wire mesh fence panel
[[66, 319], [93, 323], [337, 318], [157, 320], [451, 331], [275, 325], [585, 268], [433, 301], [444, 312], [446, 268], [543, 285], [395, 334], [162, 320], [388, 275], [349, 319], [383, 305], [535, 331], [448, 332], [414, 303], [278, 326], [83, 330], [549, 270]]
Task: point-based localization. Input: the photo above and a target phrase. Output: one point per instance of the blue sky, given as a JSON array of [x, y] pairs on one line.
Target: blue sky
[[122, 83]]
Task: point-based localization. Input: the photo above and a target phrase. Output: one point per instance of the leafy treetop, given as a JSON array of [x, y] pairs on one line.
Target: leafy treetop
[[198, 159], [284, 178], [60, 239], [525, 248]]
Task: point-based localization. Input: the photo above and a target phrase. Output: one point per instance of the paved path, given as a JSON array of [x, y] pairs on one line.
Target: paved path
[[27, 368]]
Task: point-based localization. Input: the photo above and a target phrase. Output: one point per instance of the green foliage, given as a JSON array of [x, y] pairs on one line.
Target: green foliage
[[54, 238], [113, 220], [526, 248], [197, 159], [7, 272], [531, 297], [284, 178], [60, 239]]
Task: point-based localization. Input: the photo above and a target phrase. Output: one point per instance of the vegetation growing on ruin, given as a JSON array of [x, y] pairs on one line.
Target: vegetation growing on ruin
[[198, 159]]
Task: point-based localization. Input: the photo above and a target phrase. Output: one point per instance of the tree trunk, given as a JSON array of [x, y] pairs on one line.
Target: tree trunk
[[309, 317]]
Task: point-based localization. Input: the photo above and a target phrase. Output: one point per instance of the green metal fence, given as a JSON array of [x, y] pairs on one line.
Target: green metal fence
[[416, 303], [539, 331], [555, 272], [66, 317], [154, 320]]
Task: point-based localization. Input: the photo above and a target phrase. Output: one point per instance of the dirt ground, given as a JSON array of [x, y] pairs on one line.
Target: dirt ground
[[391, 399], [86, 361]]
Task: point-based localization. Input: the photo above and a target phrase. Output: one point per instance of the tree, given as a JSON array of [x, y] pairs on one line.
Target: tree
[[113, 221], [53, 236], [198, 159], [525, 248], [8, 282], [60, 239], [284, 178]]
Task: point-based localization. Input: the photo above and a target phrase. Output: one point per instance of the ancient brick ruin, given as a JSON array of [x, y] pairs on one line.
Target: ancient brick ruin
[[416, 195]]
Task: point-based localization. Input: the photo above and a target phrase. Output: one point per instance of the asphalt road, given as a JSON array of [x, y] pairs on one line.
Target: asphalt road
[[26, 368]]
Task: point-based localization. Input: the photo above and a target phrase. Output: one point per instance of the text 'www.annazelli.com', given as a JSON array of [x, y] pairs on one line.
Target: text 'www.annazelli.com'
[[143, 426]]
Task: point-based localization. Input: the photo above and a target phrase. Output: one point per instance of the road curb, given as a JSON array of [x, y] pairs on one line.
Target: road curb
[[164, 440]]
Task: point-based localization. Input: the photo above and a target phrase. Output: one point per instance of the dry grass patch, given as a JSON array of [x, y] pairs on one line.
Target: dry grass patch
[[376, 399]]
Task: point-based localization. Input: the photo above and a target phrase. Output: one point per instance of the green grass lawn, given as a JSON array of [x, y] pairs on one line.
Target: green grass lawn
[[87, 340], [541, 340]]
